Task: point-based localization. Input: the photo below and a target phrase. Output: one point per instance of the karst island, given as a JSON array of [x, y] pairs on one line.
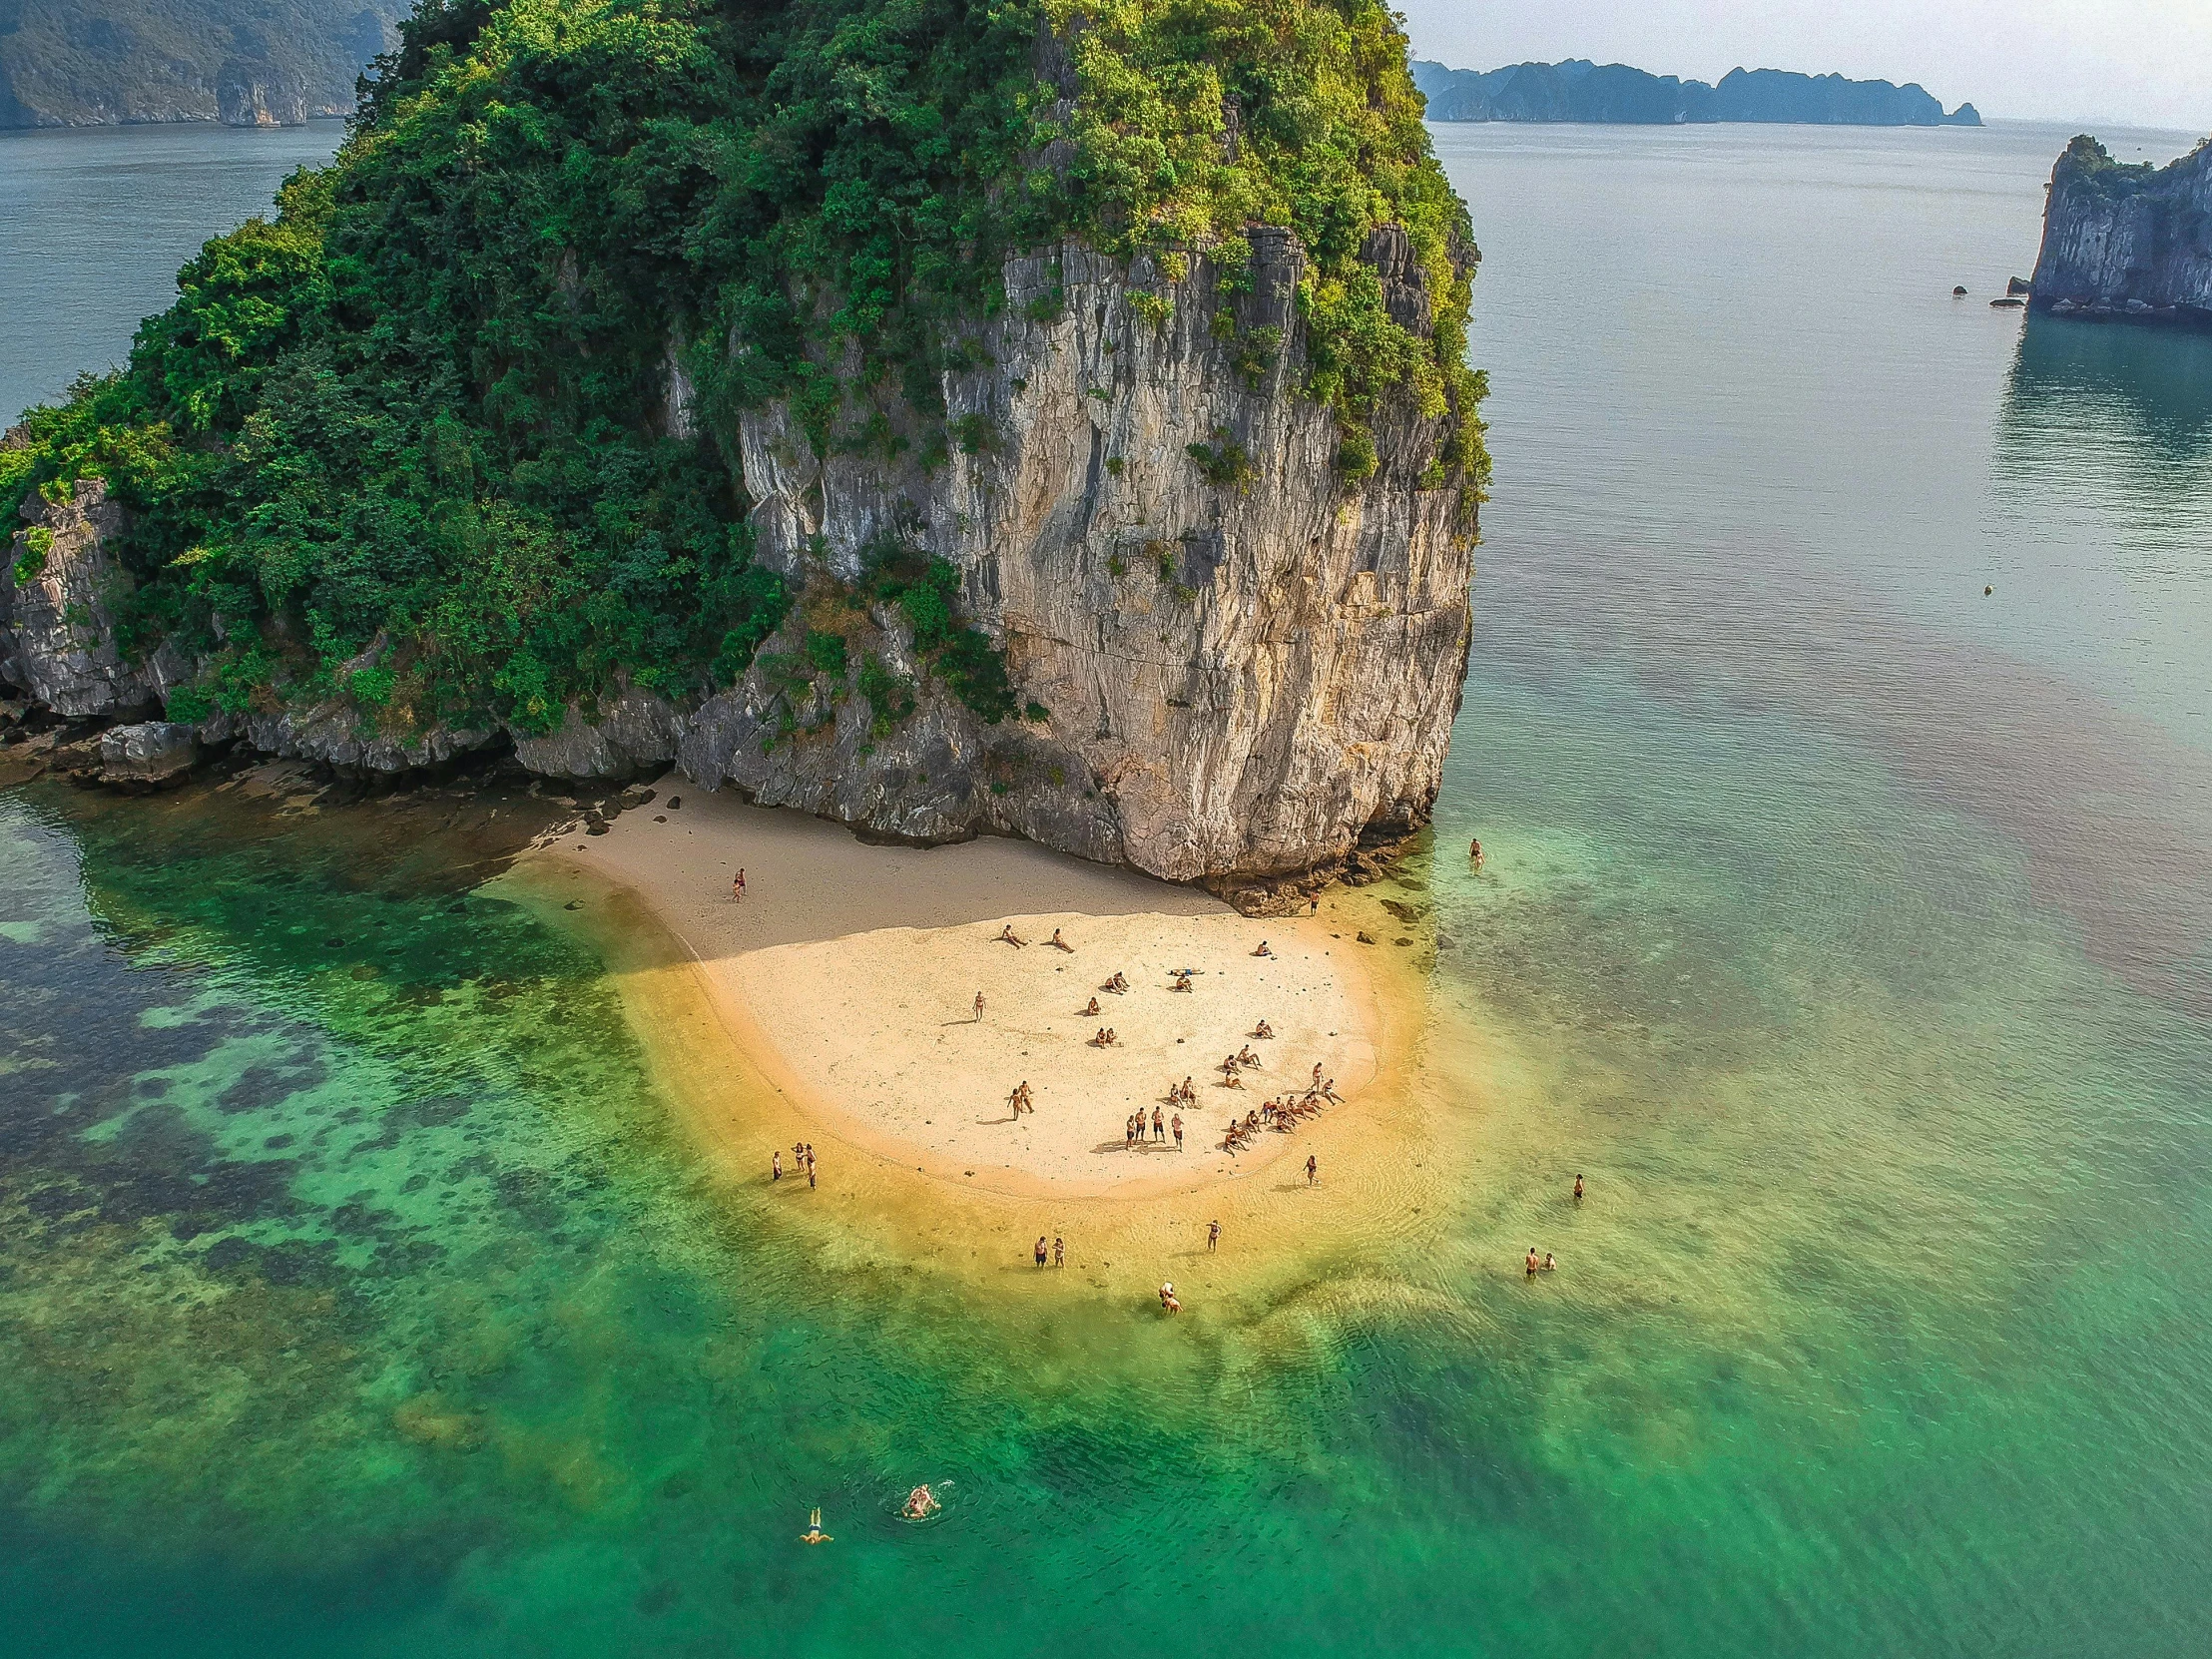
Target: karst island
[[1040, 427]]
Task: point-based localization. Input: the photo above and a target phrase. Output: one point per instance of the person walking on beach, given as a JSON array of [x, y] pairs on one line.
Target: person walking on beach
[[1059, 1251], [980, 1007], [776, 1165], [1040, 1250], [1213, 1235], [1178, 1131], [1313, 1169], [1578, 1189]]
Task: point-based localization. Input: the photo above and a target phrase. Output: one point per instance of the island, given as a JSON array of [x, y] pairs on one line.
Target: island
[[2127, 240], [1580, 91], [938, 470], [245, 63]]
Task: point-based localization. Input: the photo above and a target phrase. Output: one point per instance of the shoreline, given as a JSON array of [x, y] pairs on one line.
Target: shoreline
[[742, 1093]]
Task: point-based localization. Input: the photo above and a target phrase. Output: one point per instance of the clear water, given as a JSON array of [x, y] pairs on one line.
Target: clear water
[[1850, 929]]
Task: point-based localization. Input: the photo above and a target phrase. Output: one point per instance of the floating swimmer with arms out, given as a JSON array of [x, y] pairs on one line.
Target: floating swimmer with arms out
[[814, 1533]]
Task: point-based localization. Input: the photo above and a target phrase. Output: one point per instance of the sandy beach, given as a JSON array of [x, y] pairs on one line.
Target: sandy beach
[[848, 976]]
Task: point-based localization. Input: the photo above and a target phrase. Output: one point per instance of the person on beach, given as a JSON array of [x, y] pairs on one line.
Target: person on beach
[[737, 887], [1060, 944], [1531, 1260], [1213, 1235], [1178, 1127], [1059, 1251], [814, 1533], [1312, 905], [776, 1165], [1313, 1169], [1578, 1189], [1263, 1030], [1094, 1008], [1317, 1074], [1262, 950], [978, 1007], [1040, 1250], [1182, 983], [1329, 1091], [809, 1175], [1159, 1125]]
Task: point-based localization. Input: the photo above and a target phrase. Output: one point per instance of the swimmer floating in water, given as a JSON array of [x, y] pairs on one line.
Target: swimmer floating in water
[[814, 1533], [921, 1503]]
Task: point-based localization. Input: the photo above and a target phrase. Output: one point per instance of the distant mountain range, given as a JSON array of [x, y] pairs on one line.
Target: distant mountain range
[[249, 63], [1579, 90]]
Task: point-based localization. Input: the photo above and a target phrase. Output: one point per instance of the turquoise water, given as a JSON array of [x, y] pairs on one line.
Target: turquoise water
[[1851, 930]]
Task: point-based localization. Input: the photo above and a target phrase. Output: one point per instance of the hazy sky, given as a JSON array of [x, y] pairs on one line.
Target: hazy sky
[[2143, 62]]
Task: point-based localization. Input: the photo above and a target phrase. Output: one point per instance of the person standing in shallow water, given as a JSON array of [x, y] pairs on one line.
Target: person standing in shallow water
[[1313, 1169], [1578, 1189], [776, 1165], [1040, 1250], [1059, 1251], [1531, 1260], [1213, 1235]]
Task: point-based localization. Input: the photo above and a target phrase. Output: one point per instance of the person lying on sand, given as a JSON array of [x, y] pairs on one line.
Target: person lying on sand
[[1262, 950], [1059, 943], [1263, 1029], [1007, 935]]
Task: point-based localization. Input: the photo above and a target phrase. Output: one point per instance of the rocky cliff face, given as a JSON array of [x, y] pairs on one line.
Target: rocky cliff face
[[1244, 661], [2127, 241], [1235, 661], [57, 632]]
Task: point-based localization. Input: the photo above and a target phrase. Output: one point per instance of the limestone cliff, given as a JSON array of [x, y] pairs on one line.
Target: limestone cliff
[[2127, 241], [1236, 661], [1239, 674]]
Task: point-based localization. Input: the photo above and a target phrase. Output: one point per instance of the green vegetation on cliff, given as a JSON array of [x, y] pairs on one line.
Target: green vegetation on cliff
[[421, 410]]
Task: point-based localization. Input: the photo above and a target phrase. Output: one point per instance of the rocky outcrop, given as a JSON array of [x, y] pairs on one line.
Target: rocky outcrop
[[1242, 661], [151, 751], [1231, 661], [57, 628], [2127, 241], [630, 734]]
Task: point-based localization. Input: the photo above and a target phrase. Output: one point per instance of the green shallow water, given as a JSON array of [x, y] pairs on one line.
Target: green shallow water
[[1853, 933]]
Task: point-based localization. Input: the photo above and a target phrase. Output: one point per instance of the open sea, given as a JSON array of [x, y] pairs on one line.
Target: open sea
[[1849, 927]]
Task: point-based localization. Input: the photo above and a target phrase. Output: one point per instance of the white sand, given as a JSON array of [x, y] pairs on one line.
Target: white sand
[[850, 973]]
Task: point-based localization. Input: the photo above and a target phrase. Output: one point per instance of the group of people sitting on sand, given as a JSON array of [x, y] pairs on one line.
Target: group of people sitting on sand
[[1021, 1100], [1118, 985], [1105, 1037], [1132, 1129], [1282, 1114]]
